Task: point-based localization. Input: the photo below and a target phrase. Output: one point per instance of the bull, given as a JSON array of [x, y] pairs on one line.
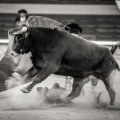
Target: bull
[[61, 53]]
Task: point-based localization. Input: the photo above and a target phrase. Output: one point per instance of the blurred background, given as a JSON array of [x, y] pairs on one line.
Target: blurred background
[[99, 19]]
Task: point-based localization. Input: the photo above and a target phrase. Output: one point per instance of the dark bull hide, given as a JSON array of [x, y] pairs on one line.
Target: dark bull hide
[[59, 52], [10, 64]]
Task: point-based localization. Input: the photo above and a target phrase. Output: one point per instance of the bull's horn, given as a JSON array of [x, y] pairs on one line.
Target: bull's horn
[[24, 29]]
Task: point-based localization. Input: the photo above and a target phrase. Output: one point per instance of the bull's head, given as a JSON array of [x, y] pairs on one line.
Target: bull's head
[[19, 40]]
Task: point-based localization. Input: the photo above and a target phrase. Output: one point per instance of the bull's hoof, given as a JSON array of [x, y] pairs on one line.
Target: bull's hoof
[[111, 104], [25, 90], [67, 100]]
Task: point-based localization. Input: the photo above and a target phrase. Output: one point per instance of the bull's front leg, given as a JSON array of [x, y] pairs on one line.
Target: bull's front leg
[[29, 74], [49, 69]]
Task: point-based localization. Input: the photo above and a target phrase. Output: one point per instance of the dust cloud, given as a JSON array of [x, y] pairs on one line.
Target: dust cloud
[[38, 98], [47, 97], [13, 81]]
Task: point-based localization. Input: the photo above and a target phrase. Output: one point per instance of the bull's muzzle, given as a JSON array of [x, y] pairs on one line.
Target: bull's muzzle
[[14, 54]]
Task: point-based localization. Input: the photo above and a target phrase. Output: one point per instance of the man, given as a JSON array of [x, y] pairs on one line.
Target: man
[[21, 19], [74, 28]]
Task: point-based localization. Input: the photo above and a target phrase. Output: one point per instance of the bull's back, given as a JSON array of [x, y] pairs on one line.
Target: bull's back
[[82, 54]]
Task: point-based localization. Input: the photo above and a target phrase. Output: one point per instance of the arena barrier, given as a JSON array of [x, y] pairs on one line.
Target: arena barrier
[[106, 43]]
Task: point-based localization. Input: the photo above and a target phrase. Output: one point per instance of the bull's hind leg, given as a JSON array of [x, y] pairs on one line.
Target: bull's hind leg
[[108, 81], [77, 86]]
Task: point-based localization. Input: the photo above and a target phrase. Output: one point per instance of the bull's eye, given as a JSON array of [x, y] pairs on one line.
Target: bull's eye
[[18, 38]]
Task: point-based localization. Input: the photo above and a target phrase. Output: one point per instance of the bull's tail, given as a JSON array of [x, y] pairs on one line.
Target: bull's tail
[[117, 66], [114, 48]]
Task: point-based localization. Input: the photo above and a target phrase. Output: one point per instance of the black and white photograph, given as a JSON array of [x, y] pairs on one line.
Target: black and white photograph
[[59, 59]]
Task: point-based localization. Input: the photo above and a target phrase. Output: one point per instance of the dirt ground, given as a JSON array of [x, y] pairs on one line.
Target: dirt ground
[[39, 105]]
